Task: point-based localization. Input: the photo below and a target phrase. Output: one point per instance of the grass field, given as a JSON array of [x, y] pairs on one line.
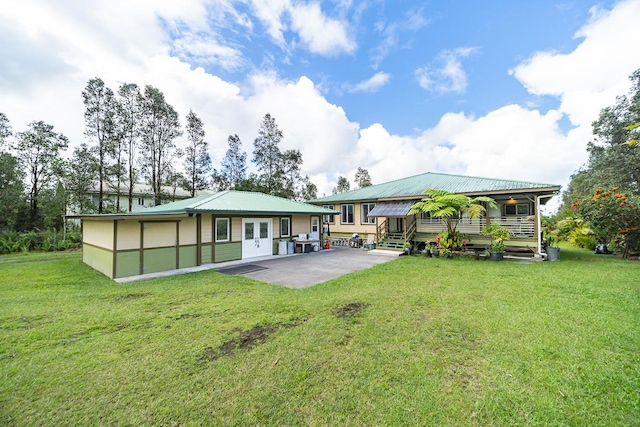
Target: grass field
[[416, 341]]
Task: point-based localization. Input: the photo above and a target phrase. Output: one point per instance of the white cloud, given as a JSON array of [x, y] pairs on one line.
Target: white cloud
[[588, 78], [270, 12], [321, 35], [318, 33], [372, 84], [206, 49], [449, 77]]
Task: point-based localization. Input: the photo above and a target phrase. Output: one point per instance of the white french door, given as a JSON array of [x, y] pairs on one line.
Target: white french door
[[256, 237]]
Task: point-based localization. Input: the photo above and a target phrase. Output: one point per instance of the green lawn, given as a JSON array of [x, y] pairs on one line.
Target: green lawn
[[416, 341]]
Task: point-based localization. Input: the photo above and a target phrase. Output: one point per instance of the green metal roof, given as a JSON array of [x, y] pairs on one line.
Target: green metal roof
[[414, 186], [236, 202]]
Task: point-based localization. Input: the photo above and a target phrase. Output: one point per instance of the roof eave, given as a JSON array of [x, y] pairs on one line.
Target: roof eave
[[133, 215]]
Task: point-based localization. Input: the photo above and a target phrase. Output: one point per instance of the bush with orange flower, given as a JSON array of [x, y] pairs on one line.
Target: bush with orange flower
[[614, 216]]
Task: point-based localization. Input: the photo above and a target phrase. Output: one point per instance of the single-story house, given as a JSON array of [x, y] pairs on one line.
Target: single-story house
[[212, 228], [383, 210]]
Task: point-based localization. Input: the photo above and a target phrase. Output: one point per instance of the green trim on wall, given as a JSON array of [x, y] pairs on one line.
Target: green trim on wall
[[115, 248], [97, 247], [206, 253], [188, 256], [155, 260], [228, 251], [128, 263], [98, 259]]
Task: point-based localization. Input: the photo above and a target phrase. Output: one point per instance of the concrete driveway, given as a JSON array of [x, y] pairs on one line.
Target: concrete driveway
[[304, 270], [292, 271]]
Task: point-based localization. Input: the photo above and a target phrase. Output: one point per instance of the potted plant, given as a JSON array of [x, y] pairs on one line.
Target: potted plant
[[406, 248], [498, 234], [551, 247]]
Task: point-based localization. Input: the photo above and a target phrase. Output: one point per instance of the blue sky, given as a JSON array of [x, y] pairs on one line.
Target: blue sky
[[503, 89]]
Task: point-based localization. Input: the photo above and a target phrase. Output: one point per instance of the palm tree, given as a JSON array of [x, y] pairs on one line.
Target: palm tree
[[446, 205]]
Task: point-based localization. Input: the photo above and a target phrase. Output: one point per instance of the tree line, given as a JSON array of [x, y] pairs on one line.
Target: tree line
[[602, 201], [131, 137]]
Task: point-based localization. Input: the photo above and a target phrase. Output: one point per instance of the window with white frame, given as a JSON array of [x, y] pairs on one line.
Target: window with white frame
[[222, 229], [365, 208], [517, 209], [346, 214], [330, 218], [140, 201], [285, 227]]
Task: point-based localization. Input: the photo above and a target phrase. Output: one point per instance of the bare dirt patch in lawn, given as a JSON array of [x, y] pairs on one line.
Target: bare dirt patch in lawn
[[246, 340], [349, 311], [187, 316], [131, 296]]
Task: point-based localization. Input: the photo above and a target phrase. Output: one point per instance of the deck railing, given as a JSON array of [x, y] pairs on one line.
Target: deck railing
[[519, 226], [382, 230], [411, 229]]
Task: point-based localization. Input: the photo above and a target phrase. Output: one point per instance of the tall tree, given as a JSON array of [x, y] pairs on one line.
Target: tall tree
[[197, 162], [11, 191], [174, 180], [307, 190], [234, 164], [100, 127], [612, 160], [160, 128], [343, 185], [219, 181], [38, 151], [81, 178], [5, 129], [267, 156], [291, 177], [362, 178], [130, 121]]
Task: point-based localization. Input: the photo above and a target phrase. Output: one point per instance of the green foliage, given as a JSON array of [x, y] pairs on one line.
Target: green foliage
[[197, 163], [130, 123], [35, 240], [101, 127], [234, 166], [160, 126], [342, 186], [362, 178], [450, 241], [498, 234], [39, 152], [5, 129], [583, 237], [613, 214], [81, 178], [612, 159], [267, 155], [12, 197], [445, 205]]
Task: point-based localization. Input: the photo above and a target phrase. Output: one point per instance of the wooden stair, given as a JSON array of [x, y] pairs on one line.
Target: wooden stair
[[392, 241]]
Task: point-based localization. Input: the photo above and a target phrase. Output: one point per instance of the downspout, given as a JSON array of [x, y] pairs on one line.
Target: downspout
[[538, 225]]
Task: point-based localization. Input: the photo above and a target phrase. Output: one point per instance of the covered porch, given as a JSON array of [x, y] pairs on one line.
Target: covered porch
[[520, 215]]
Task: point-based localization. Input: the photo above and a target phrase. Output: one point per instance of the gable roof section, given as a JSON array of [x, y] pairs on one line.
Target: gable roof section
[[228, 202], [413, 187]]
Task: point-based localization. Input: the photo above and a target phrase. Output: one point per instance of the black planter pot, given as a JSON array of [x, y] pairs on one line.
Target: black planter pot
[[495, 256]]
